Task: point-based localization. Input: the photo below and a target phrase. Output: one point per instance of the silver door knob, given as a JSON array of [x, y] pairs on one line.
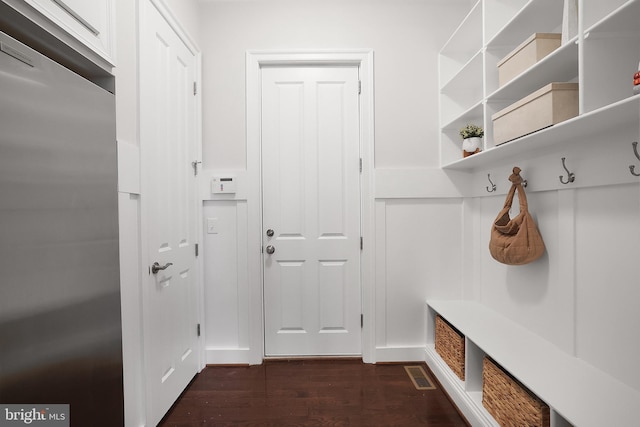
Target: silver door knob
[[157, 267], [270, 249], [270, 232]]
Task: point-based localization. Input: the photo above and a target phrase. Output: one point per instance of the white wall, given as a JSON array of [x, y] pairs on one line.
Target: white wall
[[187, 15], [405, 36]]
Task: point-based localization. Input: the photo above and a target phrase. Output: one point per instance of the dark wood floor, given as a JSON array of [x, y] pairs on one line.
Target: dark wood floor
[[311, 393]]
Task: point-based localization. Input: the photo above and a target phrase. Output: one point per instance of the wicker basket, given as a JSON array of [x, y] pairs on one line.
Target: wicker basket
[[450, 346], [508, 401]]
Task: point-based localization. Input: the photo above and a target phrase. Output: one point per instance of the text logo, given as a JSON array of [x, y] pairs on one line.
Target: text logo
[[34, 415]]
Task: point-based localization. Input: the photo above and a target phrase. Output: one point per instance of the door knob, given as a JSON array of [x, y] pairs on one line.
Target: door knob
[[270, 249], [270, 232], [157, 267]]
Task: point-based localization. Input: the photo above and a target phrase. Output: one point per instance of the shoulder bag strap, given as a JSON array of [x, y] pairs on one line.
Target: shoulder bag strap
[[516, 184]]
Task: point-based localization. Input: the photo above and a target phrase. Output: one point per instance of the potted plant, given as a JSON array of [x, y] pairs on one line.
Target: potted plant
[[471, 139]]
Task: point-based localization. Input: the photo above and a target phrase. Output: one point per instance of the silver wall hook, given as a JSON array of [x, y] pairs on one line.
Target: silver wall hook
[[571, 176], [632, 168], [493, 186]]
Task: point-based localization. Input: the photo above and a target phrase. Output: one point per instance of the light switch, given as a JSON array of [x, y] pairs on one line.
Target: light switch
[[212, 225]]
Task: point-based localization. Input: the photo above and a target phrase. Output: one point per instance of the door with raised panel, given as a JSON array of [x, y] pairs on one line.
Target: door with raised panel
[[168, 144], [311, 210]]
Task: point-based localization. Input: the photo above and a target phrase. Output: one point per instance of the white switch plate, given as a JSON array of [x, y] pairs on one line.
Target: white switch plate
[[212, 225]]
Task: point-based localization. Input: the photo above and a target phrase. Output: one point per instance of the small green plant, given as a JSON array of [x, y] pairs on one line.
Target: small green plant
[[470, 131]]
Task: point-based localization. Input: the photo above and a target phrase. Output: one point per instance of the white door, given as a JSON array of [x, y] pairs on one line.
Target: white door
[[311, 202], [168, 141]]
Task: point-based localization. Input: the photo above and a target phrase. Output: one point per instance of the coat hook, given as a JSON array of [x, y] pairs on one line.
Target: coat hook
[[632, 168], [524, 181], [493, 186], [571, 177]]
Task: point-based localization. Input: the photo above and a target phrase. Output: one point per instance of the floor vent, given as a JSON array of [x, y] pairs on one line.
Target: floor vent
[[419, 378]]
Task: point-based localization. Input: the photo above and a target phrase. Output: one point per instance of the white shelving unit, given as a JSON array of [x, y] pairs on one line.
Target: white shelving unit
[[602, 59], [577, 393]]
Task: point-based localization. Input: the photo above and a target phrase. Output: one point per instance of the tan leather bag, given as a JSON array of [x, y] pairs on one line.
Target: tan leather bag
[[515, 241]]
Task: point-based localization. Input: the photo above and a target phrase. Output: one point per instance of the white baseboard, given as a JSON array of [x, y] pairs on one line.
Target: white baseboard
[[228, 356], [399, 354], [241, 356]]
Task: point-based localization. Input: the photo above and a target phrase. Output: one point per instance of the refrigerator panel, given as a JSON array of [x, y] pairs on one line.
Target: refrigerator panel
[[60, 327]]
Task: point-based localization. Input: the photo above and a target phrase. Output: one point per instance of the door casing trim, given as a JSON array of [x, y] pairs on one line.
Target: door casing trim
[[255, 60]]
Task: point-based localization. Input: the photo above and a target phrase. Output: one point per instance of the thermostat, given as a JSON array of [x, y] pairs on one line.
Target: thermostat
[[223, 185]]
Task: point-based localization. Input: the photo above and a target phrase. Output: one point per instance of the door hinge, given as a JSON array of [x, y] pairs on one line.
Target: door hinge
[[361, 242], [360, 164], [195, 88], [361, 321], [359, 87], [197, 249], [198, 329]]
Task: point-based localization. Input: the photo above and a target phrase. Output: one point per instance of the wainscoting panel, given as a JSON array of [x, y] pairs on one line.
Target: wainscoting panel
[[418, 256], [608, 291], [533, 294], [226, 286]]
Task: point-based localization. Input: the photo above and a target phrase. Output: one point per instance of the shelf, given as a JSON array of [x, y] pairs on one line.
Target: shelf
[[537, 16], [463, 91], [460, 42], [465, 43], [498, 13], [584, 395], [462, 80], [472, 115], [620, 21], [602, 60], [597, 10], [563, 134], [469, 402], [560, 65], [611, 57]]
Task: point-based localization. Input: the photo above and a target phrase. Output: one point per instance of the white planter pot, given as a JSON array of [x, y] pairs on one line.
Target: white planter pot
[[471, 146]]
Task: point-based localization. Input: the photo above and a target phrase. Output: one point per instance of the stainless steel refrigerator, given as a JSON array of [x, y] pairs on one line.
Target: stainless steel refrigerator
[[60, 324]]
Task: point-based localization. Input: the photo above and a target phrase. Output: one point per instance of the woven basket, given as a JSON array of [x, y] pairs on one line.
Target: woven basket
[[450, 346], [508, 401]]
